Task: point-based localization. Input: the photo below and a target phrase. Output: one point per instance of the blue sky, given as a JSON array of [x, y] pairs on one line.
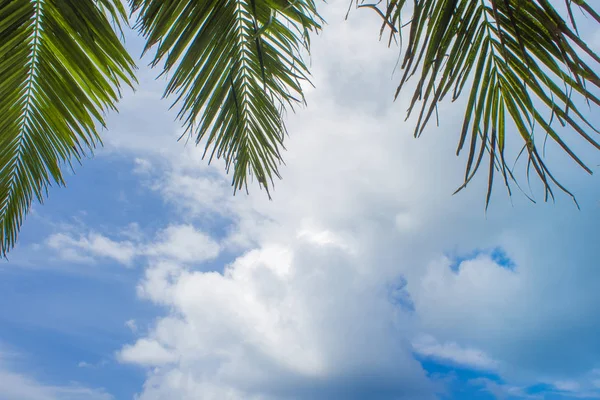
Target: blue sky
[[362, 279]]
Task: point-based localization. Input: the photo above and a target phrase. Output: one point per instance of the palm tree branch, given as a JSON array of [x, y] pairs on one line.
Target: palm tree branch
[[233, 66], [521, 60], [61, 64]]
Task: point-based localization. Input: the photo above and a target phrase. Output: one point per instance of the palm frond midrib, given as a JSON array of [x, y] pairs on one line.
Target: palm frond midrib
[[27, 104]]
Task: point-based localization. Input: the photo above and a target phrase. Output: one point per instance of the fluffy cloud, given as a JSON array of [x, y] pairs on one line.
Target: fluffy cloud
[[280, 321], [183, 243], [346, 273]]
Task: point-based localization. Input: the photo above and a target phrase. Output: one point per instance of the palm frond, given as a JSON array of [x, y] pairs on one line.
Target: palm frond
[[523, 64], [61, 65], [235, 65]]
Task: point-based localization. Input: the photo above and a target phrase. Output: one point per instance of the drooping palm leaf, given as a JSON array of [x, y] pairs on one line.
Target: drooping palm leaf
[[235, 65], [520, 60], [61, 65]]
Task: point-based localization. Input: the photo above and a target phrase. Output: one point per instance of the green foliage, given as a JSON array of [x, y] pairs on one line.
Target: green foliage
[[520, 60], [235, 66], [61, 65]]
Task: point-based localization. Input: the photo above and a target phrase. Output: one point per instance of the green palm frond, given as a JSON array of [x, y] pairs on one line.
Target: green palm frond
[[61, 65], [235, 66], [522, 63]]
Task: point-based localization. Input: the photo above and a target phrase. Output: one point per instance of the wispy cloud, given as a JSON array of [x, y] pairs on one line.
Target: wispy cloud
[[21, 386], [87, 248], [450, 352], [182, 243], [502, 391]]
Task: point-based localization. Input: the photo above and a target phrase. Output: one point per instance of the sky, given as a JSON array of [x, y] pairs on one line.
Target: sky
[[363, 277]]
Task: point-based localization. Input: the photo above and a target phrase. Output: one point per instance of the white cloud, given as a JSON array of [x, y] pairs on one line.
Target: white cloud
[[585, 386], [272, 324], [142, 166], [99, 364], [568, 386], [307, 305], [85, 248], [183, 243], [475, 295], [595, 378], [147, 352], [20, 386], [132, 325], [450, 352], [324, 237], [503, 391], [133, 232]]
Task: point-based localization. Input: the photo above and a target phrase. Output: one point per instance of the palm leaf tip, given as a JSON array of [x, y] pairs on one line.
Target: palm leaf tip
[[61, 65], [234, 65], [524, 64]]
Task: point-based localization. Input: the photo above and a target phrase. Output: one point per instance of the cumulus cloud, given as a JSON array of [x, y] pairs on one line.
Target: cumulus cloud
[[279, 321], [337, 279]]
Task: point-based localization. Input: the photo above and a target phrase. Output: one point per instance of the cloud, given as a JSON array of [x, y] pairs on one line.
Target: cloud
[[147, 352], [567, 389], [85, 248], [502, 391], [85, 364], [336, 277], [567, 386], [529, 317], [452, 353], [132, 325], [181, 243], [586, 386], [272, 326], [475, 295], [20, 386], [142, 166]]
